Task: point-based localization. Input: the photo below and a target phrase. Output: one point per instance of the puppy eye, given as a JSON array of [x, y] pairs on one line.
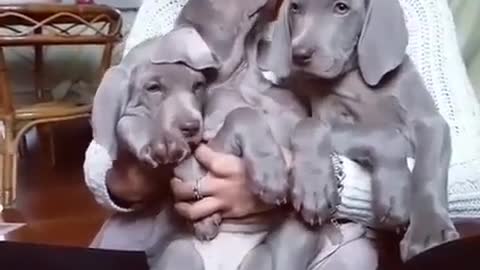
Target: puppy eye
[[153, 87], [341, 8], [294, 7]]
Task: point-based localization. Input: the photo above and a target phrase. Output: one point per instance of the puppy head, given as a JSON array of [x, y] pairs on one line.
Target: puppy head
[[327, 38], [171, 88], [173, 95], [223, 23]]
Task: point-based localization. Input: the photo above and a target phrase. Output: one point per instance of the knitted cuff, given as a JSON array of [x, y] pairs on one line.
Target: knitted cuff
[[356, 197], [95, 168], [356, 193]]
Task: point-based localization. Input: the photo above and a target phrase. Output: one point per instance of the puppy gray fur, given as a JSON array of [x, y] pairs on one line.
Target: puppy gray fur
[[225, 31], [137, 93], [246, 116], [223, 34], [370, 104], [153, 109], [241, 116]]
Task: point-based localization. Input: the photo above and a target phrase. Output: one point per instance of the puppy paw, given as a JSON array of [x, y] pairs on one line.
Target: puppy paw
[[426, 231], [315, 192], [170, 149], [390, 211], [269, 176], [390, 202], [207, 228], [146, 155]]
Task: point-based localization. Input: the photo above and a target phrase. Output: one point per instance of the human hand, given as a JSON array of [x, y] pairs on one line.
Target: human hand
[[134, 185], [224, 189]]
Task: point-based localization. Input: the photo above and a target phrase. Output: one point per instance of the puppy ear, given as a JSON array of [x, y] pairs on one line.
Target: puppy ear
[[383, 41], [108, 105], [253, 6], [184, 45], [275, 52]]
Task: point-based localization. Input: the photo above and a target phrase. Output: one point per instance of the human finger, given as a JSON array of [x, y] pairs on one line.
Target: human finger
[[199, 209], [184, 191], [219, 164]]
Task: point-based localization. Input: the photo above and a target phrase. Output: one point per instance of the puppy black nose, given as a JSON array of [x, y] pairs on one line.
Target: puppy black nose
[[190, 128], [302, 56]]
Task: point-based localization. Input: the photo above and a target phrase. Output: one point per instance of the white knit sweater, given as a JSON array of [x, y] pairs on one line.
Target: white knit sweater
[[434, 51]]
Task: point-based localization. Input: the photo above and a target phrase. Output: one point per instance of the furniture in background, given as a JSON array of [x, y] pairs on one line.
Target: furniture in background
[[40, 25]]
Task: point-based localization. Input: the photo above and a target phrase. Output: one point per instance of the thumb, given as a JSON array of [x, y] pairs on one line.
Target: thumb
[[219, 164]]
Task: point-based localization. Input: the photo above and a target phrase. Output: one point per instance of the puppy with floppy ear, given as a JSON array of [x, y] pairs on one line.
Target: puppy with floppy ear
[[224, 25], [185, 45], [352, 53], [158, 84], [384, 21], [109, 104], [276, 50], [246, 134], [151, 105]]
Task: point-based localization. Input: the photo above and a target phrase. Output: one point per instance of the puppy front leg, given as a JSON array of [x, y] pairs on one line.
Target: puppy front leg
[[245, 133], [314, 192], [430, 224]]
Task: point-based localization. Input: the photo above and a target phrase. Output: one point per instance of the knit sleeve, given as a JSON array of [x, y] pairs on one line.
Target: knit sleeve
[[154, 18], [95, 167]]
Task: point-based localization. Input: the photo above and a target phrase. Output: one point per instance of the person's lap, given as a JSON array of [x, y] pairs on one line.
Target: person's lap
[[227, 250]]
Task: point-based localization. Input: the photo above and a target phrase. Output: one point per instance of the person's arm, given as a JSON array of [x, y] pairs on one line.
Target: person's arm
[[96, 167], [126, 184], [154, 18]]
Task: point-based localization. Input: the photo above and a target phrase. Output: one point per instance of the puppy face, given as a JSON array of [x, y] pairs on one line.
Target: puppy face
[[326, 38], [171, 97], [325, 34]]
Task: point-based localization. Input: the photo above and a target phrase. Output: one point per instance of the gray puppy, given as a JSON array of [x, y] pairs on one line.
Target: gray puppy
[[244, 114], [368, 103], [225, 31], [153, 109]]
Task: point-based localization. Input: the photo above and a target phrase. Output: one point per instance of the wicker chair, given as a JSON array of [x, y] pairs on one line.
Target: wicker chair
[[37, 26]]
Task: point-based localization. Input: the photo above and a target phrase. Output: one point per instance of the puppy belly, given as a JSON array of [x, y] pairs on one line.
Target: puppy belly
[[228, 249]]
